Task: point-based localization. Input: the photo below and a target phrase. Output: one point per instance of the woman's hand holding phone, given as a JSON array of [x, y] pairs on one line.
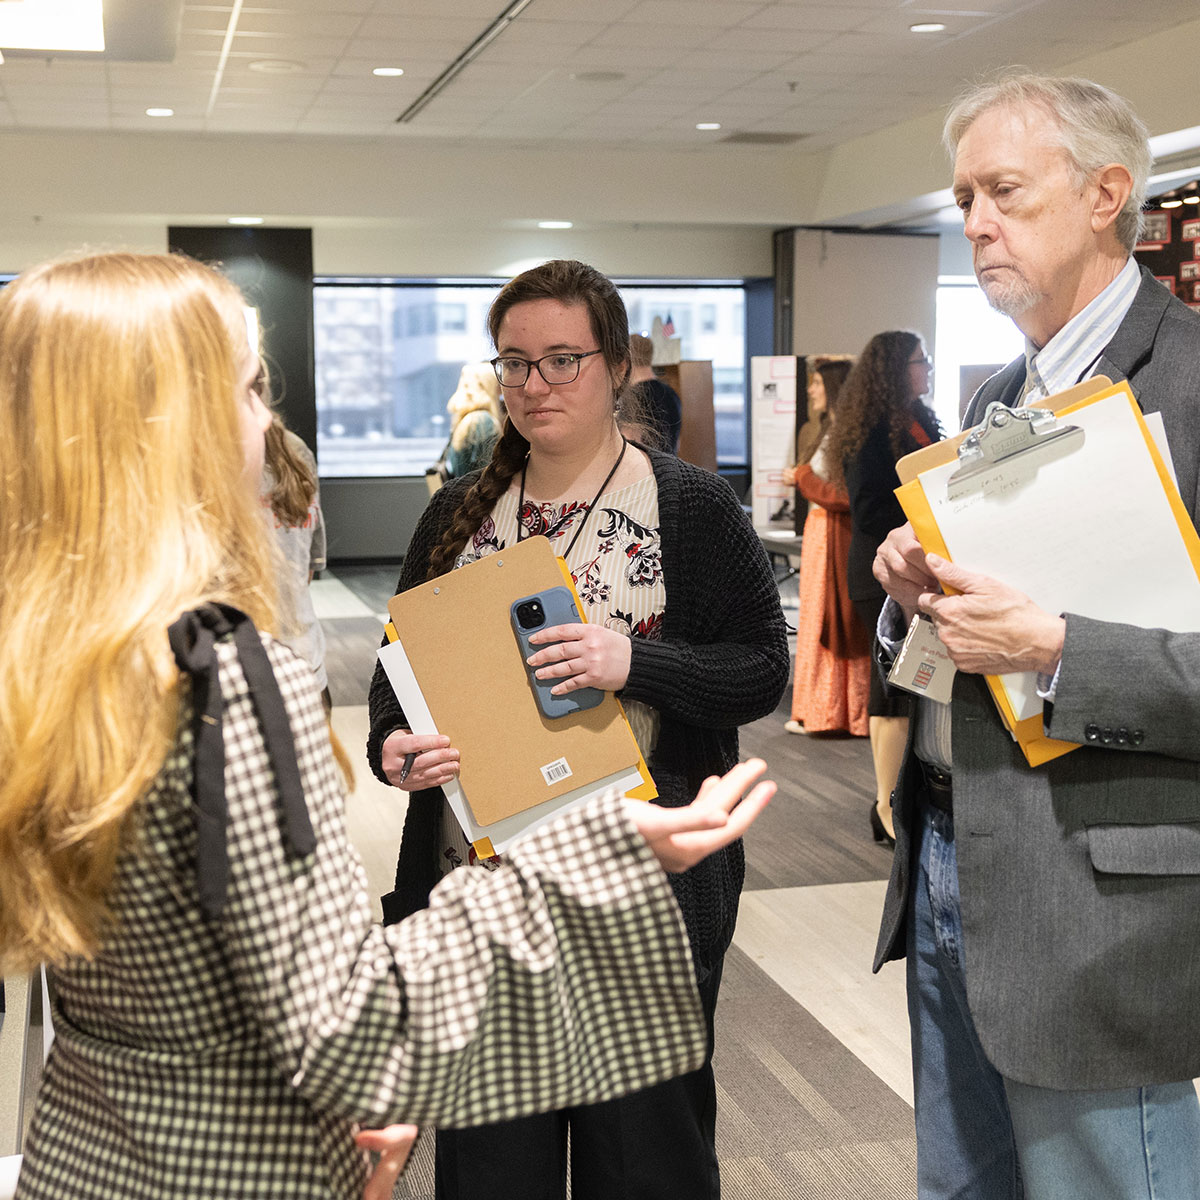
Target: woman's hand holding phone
[[681, 837], [434, 763], [581, 656]]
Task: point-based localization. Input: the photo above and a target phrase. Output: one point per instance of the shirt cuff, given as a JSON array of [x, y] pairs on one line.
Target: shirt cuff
[[1047, 685], [891, 628]]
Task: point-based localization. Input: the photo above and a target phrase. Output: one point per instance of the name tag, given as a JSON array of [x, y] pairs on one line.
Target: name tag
[[923, 666]]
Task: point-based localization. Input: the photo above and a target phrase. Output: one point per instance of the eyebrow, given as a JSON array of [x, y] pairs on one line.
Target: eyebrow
[[557, 348]]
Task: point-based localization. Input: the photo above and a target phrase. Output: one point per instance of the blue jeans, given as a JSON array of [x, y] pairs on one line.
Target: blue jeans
[[981, 1136]]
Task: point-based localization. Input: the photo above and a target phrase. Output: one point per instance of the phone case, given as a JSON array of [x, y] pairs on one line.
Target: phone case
[[559, 607]]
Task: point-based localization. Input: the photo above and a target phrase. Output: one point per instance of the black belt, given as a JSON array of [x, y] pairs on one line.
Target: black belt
[[938, 789]]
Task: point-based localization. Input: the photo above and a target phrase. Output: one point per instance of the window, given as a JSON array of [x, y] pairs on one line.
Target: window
[[698, 314], [388, 355], [970, 333], [387, 360]]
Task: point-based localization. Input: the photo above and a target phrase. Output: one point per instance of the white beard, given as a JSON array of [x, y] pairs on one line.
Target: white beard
[[1012, 296]]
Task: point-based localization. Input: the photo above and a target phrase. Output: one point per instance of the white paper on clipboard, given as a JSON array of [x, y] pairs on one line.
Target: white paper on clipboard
[[504, 832], [1091, 533]]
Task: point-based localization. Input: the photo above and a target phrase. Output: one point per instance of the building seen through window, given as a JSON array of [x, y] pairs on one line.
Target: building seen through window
[[388, 356]]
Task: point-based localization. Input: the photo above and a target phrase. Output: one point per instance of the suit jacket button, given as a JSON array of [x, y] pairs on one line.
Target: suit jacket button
[[1106, 736], [1092, 733], [1122, 736], [1136, 737]]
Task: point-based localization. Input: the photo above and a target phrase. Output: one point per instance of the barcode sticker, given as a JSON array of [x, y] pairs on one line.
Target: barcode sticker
[[553, 772]]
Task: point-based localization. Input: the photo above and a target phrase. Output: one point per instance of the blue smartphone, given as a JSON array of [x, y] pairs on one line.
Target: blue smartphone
[[554, 606]]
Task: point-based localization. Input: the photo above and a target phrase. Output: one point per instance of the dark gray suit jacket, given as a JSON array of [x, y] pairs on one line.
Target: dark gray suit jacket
[[1080, 879]]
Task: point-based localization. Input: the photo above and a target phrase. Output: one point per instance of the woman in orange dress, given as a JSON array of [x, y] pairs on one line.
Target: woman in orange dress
[[833, 664]]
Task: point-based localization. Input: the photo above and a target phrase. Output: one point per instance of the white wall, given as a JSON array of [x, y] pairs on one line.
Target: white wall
[[851, 286], [698, 252], [386, 206]]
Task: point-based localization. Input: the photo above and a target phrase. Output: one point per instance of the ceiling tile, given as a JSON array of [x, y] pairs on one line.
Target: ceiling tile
[[684, 14]]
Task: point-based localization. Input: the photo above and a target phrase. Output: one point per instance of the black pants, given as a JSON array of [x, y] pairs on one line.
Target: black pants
[[656, 1144]]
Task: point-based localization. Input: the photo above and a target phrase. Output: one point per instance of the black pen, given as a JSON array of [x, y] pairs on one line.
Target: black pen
[[409, 759]]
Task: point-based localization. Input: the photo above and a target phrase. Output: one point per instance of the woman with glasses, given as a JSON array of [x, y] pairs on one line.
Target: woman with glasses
[[881, 417], [683, 623], [172, 824]]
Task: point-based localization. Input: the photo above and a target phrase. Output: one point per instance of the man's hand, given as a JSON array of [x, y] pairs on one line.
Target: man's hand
[[991, 628], [902, 571]]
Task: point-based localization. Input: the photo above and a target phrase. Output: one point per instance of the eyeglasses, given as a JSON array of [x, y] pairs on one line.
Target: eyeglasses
[[553, 368], [923, 361]]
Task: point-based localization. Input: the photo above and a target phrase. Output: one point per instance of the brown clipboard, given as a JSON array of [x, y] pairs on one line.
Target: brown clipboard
[[457, 633]]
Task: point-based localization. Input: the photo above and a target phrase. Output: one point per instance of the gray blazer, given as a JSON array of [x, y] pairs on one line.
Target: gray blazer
[[1080, 879]]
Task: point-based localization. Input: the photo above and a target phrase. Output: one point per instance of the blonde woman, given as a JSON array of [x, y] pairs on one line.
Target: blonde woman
[[171, 819], [474, 420]]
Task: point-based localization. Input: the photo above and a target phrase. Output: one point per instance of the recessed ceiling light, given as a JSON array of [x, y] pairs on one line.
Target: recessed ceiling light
[[555, 224], [1171, 204], [388, 71], [927, 27], [276, 66], [160, 112], [709, 125], [598, 76], [243, 221], [1191, 199]]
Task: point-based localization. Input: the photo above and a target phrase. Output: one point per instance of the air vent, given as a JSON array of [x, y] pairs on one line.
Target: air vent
[[763, 139]]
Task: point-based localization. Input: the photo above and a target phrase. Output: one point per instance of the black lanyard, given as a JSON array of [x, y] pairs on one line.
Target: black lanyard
[[579, 530]]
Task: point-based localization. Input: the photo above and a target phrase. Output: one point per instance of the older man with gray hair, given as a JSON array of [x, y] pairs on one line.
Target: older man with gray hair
[[1051, 915]]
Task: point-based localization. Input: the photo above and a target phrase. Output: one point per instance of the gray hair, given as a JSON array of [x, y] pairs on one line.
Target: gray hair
[[1096, 127]]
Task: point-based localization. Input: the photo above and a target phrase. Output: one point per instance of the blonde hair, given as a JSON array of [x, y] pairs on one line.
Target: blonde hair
[[125, 503], [478, 388]]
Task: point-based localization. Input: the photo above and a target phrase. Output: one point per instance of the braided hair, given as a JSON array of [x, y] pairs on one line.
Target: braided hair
[[568, 282]]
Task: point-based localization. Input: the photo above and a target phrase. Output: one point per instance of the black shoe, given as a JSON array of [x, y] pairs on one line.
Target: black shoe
[[878, 830]]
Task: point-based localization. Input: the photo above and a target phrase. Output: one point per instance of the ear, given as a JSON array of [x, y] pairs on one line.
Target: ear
[[621, 377], [1112, 185]]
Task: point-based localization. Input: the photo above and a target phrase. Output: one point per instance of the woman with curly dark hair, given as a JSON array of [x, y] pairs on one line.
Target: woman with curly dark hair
[[880, 419], [683, 623]]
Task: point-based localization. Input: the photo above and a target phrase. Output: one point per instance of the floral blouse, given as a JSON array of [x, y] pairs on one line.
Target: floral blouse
[[616, 563]]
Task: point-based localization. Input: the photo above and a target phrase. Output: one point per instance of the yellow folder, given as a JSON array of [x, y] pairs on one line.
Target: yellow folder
[[1029, 732]]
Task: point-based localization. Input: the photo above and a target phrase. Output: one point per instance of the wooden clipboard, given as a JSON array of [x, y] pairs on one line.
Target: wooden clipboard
[[1029, 733], [457, 634]]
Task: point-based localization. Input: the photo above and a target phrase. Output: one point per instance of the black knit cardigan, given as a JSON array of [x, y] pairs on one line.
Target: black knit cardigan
[[722, 662]]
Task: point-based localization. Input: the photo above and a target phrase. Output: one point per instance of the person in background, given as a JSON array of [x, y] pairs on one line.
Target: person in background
[[661, 408], [172, 824], [832, 674], [474, 420], [881, 417], [683, 624], [290, 494]]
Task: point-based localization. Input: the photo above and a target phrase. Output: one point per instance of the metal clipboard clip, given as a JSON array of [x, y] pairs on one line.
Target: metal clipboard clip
[[1007, 433]]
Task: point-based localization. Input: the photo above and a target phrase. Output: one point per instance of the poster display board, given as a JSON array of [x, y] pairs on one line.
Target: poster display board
[[773, 383]]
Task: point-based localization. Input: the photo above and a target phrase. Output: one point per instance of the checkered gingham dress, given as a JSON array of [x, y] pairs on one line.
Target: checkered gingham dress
[[230, 1057]]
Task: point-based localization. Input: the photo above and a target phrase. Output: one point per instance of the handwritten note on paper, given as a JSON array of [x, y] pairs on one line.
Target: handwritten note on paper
[[1091, 532]]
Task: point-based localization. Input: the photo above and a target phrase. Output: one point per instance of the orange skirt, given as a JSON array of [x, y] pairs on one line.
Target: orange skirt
[[829, 693]]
